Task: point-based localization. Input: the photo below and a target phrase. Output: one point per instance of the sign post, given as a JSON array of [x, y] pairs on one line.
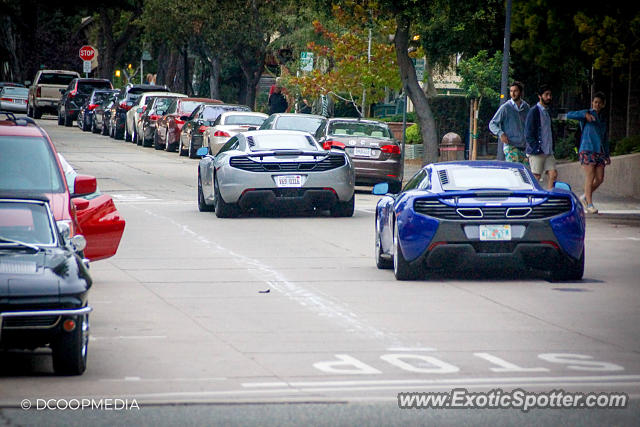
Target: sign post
[[87, 53]]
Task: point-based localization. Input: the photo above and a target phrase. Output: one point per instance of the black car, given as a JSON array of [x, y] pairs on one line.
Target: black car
[[74, 96], [127, 98], [149, 118], [85, 116], [44, 284], [102, 115]]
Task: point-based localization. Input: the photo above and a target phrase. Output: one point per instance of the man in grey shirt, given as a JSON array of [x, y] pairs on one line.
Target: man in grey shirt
[[508, 125], [540, 139]]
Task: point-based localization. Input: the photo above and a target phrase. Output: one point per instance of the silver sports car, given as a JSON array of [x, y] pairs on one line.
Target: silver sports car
[[273, 167]]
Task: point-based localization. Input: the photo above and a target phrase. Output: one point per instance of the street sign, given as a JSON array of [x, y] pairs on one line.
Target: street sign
[[419, 64], [86, 66], [306, 61], [87, 53]]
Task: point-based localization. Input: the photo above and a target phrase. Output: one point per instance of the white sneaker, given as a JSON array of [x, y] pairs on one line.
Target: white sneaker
[[583, 200], [592, 209]]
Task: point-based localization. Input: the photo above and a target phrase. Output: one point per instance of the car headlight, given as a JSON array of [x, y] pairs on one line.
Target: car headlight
[[66, 228]]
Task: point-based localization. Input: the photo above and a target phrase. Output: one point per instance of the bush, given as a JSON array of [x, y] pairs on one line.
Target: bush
[[568, 139], [412, 135], [627, 146]]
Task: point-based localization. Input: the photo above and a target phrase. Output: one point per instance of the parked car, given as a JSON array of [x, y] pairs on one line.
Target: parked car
[[10, 84], [127, 98], [371, 145], [30, 165], [148, 119], [227, 125], [290, 121], [14, 99], [169, 126], [132, 126], [74, 96], [272, 167], [102, 114], [44, 286], [457, 214], [200, 119], [93, 101], [44, 92]]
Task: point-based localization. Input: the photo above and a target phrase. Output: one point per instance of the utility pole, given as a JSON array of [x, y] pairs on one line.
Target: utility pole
[[504, 86]]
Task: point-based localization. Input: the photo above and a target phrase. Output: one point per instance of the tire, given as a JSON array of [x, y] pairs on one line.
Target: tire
[[222, 208], [202, 205], [94, 128], [569, 270], [191, 152], [60, 119], [180, 150], [37, 114], [125, 134], [104, 131], [69, 350], [401, 268], [156, 142], [381, 263], [67, 120], [344, 209], [85, 127]]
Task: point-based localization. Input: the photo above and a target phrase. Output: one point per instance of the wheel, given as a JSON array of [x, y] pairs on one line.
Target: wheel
[[156, 141], [69, 350], [37, 114], [60, 119], [85, 127], [401, 268], [117, 134], [381, 262], [125, 135], [222, 208], [202, 206], [67, 120], [104, 131], [180, 150], [168, 147], [344, 209], [94, 128], [134, 136], [569, 270], [192, 150]]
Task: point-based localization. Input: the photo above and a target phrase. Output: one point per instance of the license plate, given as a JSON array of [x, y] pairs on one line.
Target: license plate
[[288, 180], [362, 151], [495, 232]]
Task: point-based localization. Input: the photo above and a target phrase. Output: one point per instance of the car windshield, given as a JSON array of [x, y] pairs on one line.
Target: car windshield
[[25, 222], [483, 178], [14, 91], [282, 142], [238, 119], [303, 123], [28, 164], [372, 130], [88, 87], [56, 79], [163, 103]]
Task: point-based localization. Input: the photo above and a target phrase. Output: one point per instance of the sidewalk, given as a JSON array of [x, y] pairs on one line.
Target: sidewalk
[[605, 202]]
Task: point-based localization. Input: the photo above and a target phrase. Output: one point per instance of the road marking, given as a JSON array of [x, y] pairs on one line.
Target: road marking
[[128, 337], [411, 349]]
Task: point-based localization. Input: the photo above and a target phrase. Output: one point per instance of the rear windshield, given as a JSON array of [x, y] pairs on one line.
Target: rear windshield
[[212, 112], [28, 164], [305, 124], [56, 79], [372, 130], [483, 178], [25, 222], [88, 87], [238, 119], [15, 91], [163, 103], [98, 97], [282, 142]]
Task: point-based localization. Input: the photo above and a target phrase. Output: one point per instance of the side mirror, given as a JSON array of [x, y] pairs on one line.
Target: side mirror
[[381, 189], [562, 186], [83, 185], [78, 242], [202, 151]]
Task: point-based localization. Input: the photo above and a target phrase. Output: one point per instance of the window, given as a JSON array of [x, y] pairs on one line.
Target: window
[[419, 180], [302, 123], [482, 178], [282, 142], [250, 120], [231, 144], [28, 164], [352, 128], [56, 79], [26, 222]]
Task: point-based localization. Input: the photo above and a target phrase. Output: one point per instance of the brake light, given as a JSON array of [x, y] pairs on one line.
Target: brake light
[[125, 106], [327, 145], [221, 133], [202, 128], [73, 93], [39, 92], [154, 117], [391, 149], [6, 99], [179, 122], [92, 106]]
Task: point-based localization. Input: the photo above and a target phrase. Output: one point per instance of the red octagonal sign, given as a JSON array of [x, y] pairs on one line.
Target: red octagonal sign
[[87, 53]]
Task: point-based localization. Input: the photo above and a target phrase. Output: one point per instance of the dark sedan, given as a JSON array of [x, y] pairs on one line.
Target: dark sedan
[[102, 115], [127, 98], [74, 96], [44, 285], [85, 116]]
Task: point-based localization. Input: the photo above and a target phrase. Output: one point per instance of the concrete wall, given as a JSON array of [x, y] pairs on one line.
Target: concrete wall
[[621, 177]]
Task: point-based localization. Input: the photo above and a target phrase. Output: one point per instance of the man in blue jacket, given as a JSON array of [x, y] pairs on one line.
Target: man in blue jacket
[[594, 148], [540, 139], [508, 125]]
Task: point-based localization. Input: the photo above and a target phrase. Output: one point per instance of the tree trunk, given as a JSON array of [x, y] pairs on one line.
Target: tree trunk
[[414, 91], [628, 100], [252, 67], [214, 77], [8, 42], [112, 50]]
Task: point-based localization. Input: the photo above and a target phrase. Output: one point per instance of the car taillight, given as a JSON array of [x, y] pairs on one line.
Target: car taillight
[[327, 145], [125, 106], [73, 93], [92, 106], [221, 133], [391, 149], [179, 122], [154, 117], [202, 128], [6, 99], [39, 92]]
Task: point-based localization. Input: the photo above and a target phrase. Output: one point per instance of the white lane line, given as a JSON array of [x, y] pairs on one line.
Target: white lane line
[[322, 306], [621, 212], [162, 380], [612, 379], [613, 239], [411, 349], [128, 337]]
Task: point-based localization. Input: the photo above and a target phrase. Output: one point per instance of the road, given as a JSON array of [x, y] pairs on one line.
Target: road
[[286, 320]]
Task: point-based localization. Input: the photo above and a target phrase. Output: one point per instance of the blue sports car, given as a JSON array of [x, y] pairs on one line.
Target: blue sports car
[[458, 214]]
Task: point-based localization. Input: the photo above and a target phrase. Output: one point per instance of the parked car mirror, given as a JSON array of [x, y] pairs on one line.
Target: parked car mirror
[[78, 242], [83, 185], [202, 151], [381, 189]]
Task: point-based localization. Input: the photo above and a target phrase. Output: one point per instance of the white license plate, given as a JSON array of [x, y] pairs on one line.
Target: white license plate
[[362, 151], [495, 232], [288, 180]]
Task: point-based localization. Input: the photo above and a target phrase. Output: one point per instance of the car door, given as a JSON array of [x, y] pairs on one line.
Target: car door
[[101, 224]]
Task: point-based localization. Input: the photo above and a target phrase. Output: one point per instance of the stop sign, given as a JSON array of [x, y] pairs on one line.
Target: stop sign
[[87, 53]]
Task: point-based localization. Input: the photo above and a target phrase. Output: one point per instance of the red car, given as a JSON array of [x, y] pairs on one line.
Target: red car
[[29, 165], [169, 126]]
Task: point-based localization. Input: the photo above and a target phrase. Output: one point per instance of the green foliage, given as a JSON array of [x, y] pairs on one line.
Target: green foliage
[[481, 75], [627, 146], [568, 139], [413, 135]]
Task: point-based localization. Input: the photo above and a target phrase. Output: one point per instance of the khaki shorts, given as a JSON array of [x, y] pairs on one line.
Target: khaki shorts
[[541, 162]]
